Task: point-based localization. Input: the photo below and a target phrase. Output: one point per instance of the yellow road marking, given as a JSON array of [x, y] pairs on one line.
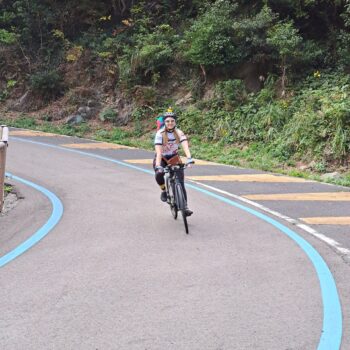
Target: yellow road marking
[[329, 220], [322, 196], [101, 145], [248, 178], [139, 161], [198, 161], [150, 161], [31, 133]]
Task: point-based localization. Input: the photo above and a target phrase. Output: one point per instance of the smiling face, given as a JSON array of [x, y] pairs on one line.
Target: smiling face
[[170, 123]]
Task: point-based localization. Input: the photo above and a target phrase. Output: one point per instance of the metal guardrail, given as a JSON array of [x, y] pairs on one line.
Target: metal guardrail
[[4, 136]]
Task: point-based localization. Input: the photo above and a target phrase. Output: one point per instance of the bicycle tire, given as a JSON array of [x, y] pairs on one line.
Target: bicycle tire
[[172, 203], [181, 204]]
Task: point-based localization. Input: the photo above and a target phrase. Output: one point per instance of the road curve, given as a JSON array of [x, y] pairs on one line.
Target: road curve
[[118, 272], [57, 211]]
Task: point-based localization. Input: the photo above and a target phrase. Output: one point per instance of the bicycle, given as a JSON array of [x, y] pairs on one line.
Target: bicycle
[[175, 194]]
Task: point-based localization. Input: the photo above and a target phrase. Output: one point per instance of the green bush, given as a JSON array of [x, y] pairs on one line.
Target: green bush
[[126, 76], [47, 84], [7, 189], [210, 41], [119, 135], [231, 92], [312, 122], [108, 114], [320, 122], [7, 37], [139, 117], [221, 35], [191, 121], [154, 51], [7, 90], [24, 122], [151, 51], [343, 49]]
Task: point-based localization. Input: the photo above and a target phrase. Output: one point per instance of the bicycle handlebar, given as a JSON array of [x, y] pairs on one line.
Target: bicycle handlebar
[[177, 166]]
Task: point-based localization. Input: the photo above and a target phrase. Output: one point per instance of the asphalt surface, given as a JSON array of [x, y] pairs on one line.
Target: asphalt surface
[[117, 272]]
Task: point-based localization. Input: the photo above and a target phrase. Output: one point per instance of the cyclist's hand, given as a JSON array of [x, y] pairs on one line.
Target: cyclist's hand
[[159, 169], [189, 162]]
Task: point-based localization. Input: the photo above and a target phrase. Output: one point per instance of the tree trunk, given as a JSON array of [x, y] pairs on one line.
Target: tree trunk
[[204, 74], [284, 76]]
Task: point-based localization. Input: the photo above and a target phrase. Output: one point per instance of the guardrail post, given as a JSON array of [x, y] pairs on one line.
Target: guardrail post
[[4, 134]]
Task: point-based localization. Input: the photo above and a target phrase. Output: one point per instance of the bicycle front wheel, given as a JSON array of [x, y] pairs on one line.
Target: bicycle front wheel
[[171, 199], [181, 204]]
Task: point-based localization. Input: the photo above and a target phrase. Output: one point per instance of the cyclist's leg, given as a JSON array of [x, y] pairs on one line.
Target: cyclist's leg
[[160, 179], [159, 176]]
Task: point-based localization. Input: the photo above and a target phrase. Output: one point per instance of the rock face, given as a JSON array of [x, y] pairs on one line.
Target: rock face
[[74, 119], [331, 176], [252, 73], [9, 203], [10, 200], [124, 111], [312, 165], [21, 104], [184, 100], [303, 167], [93, 103], [124, 115], [86, 112]]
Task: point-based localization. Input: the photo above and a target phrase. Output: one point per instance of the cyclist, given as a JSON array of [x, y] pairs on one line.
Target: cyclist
[[167, 142]]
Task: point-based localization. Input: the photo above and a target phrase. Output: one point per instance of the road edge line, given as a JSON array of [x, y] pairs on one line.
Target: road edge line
[[56, 214]]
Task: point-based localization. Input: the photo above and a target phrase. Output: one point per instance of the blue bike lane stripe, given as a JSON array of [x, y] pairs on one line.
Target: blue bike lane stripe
[[332, 314], [57, 211]]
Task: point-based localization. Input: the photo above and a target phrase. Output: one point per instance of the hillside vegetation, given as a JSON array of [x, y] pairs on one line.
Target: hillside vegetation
[[257, 83]]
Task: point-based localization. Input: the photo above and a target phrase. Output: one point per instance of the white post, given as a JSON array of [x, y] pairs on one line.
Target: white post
[[4, 134]]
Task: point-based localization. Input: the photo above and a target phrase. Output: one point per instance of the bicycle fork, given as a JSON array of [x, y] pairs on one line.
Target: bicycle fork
[[169, 188]]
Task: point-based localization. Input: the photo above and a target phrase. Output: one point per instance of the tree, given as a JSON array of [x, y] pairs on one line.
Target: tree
[[209, 41], [285, 39]]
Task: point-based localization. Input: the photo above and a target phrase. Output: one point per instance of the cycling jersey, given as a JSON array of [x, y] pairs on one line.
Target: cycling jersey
[[171, 147]]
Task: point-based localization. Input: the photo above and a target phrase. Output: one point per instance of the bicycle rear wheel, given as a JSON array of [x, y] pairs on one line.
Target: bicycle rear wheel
[[181, 204]]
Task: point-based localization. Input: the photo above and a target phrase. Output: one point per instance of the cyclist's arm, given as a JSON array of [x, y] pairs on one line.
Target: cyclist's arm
[[186, 148], [158, 145], [158, 154], [184, 143]]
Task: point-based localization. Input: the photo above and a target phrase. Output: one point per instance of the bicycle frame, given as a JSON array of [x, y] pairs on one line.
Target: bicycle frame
[[175, 192], [172, 180]]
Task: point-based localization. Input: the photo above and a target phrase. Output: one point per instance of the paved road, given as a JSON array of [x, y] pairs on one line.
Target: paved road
[[117, 272]]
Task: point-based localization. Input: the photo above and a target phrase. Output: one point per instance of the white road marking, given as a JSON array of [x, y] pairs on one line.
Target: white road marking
[[331, 242]]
